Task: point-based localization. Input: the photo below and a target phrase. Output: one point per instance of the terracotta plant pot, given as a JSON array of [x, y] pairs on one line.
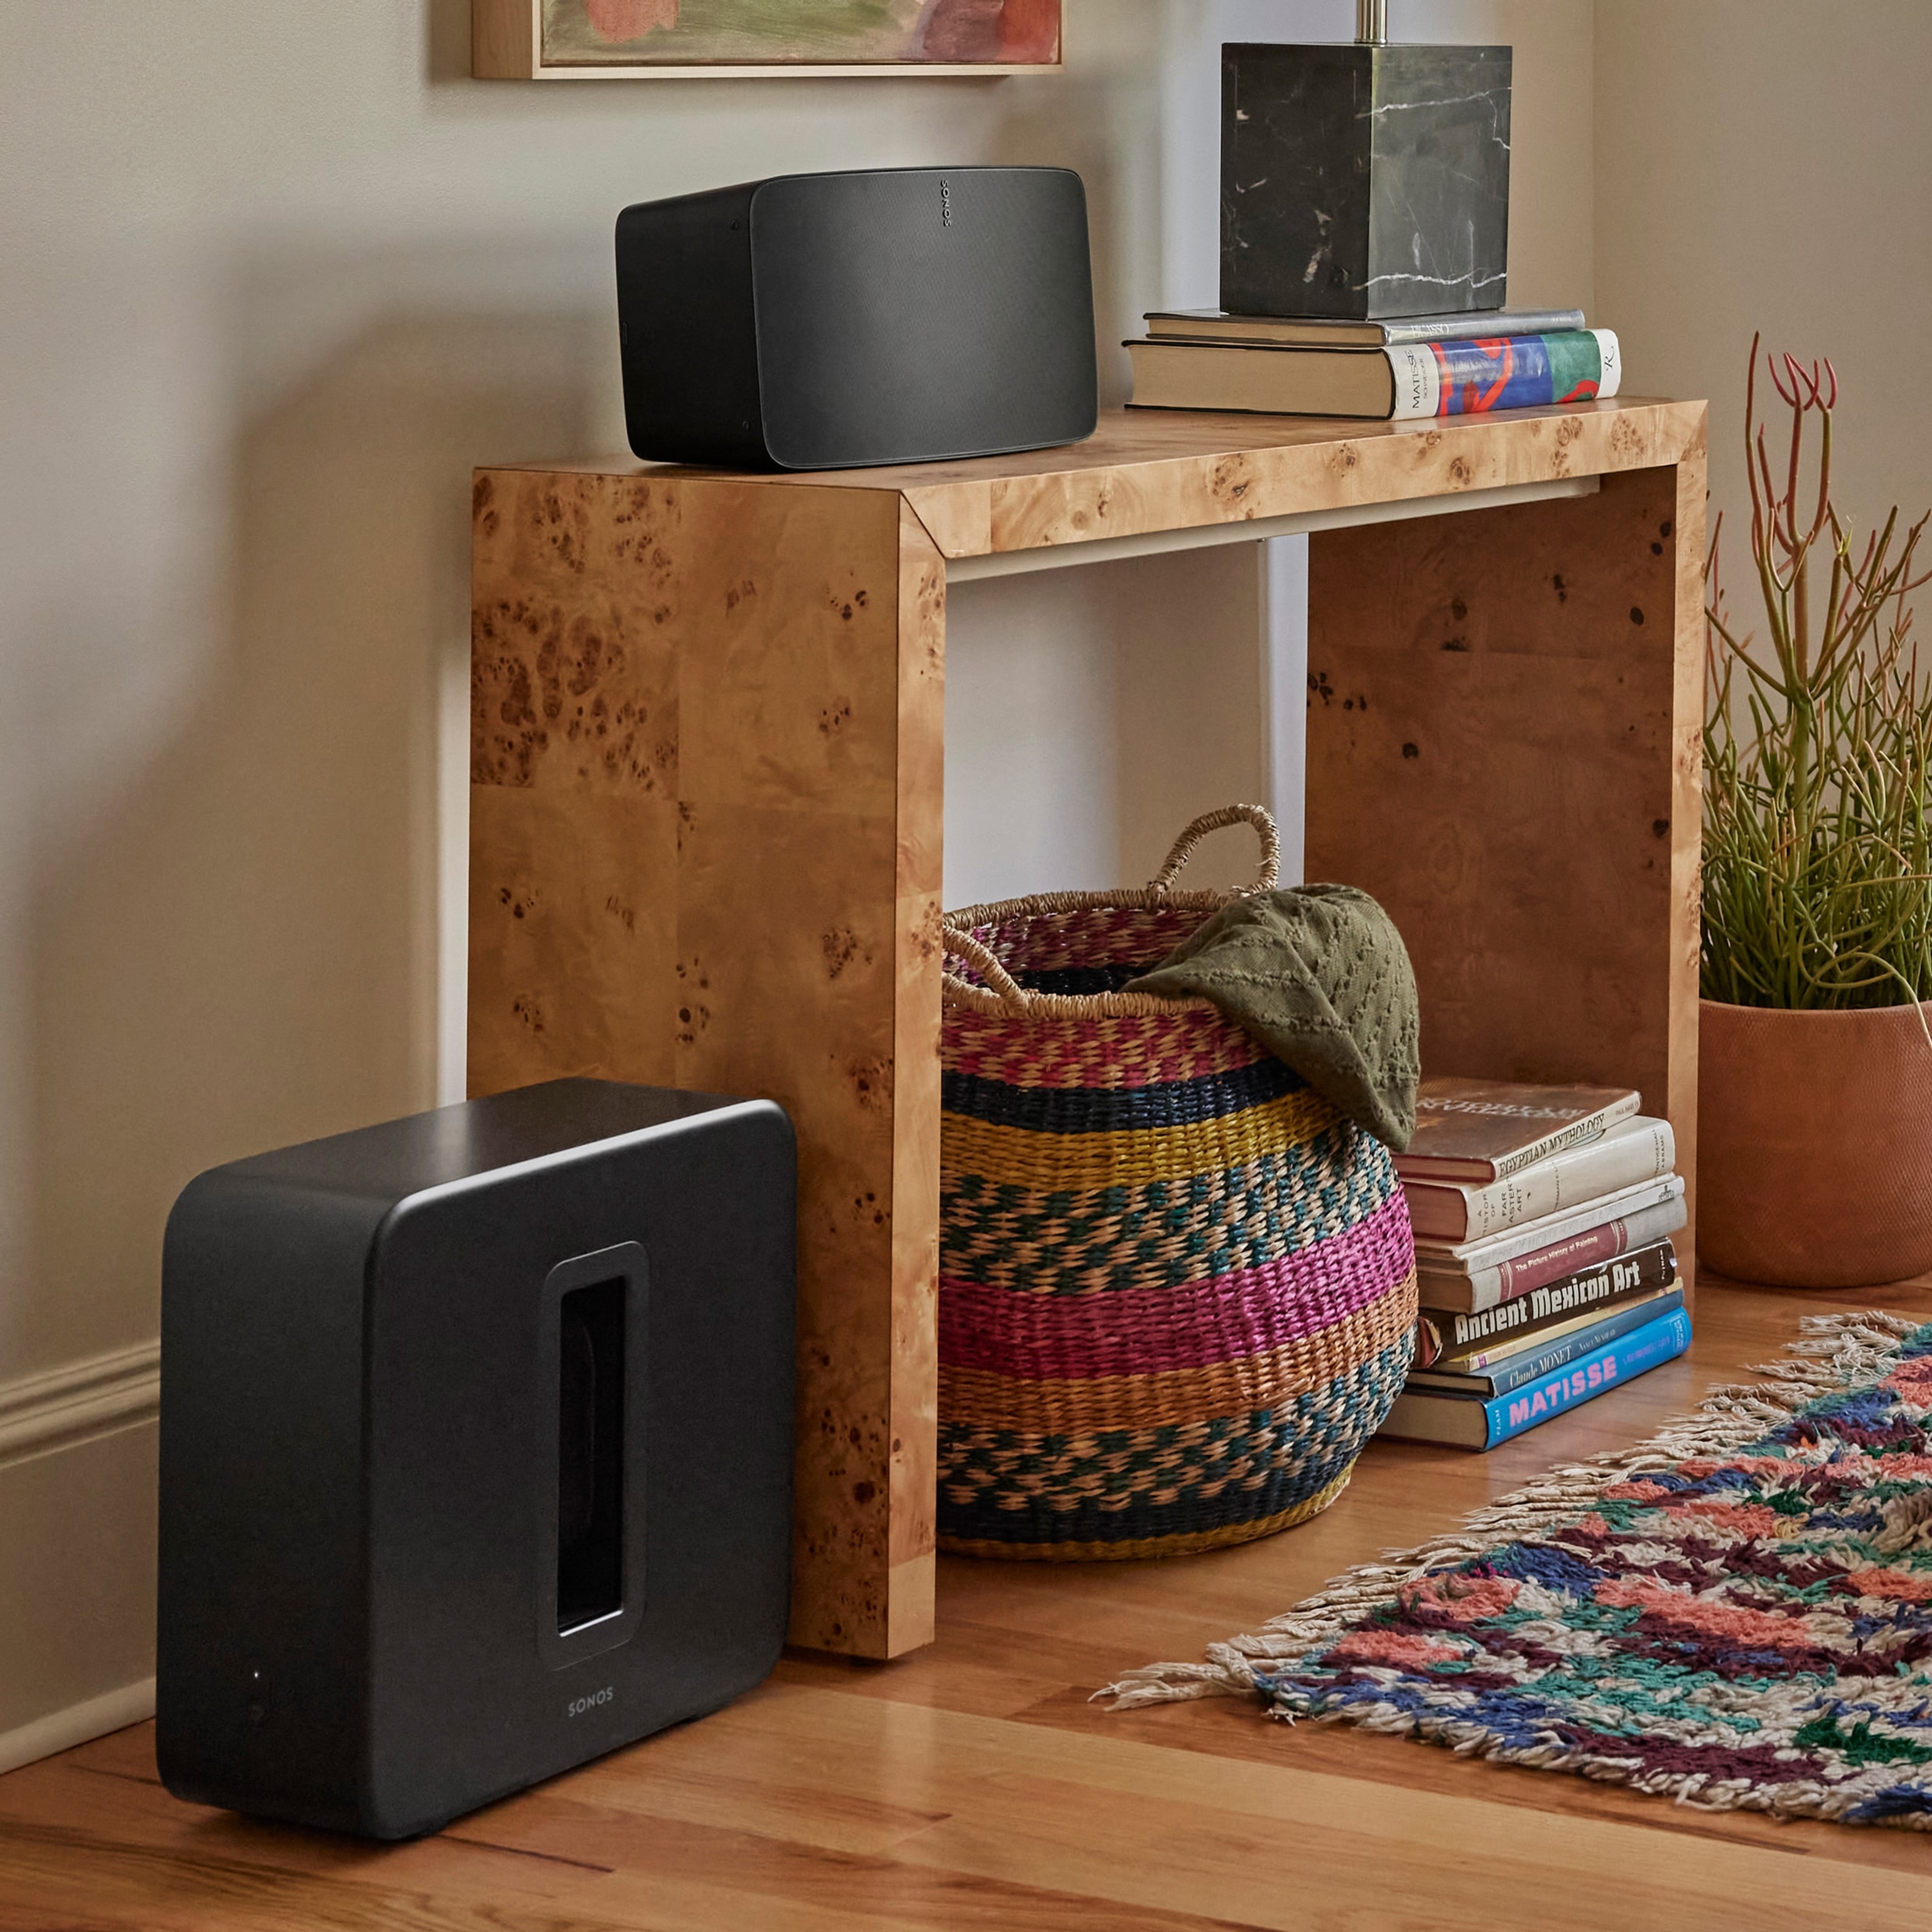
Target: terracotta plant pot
[[1814, 1145]]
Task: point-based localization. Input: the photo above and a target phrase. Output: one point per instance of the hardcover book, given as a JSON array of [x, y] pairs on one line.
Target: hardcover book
[[1402, 383], [1440, 1282], [1470, 1256], [1633, 1150], [1540, 1353], [1470, 1422], [1282, 331], [1484, 1130], [1581, 1296]]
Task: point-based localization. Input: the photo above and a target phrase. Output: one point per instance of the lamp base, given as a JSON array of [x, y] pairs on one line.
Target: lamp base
[[1364, 182]]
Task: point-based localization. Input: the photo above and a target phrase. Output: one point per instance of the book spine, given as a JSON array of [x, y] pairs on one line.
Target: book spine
[[1619, 1237], [1533, 1237], [1464, 327], [1592, 1127], [1616, 1280], [1418, 381], [1611, 363], [1622, 1361], [1535, 1361], [1445, 1286], [1617, 1323], [1586, 1127], [1567, 1180], [1474, 376]]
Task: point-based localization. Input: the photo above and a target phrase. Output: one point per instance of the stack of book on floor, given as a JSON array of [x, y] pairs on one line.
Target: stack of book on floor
[[1423, 366], [1544, 1267]]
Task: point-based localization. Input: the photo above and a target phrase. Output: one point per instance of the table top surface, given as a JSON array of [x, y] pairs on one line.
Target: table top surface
[[1146, 470]]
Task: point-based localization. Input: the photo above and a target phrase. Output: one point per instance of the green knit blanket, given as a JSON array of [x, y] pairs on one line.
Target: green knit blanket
[[1319, 975]]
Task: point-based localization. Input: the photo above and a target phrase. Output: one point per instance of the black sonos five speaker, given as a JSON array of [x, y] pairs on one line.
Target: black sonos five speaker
[[475, 1449], [894, 315]]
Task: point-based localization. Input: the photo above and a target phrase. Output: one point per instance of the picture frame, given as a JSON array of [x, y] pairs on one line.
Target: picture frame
[[688, 40]]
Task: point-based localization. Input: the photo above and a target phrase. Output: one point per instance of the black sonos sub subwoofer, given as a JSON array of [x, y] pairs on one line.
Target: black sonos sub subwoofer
[[829, 321], [476, 1449]]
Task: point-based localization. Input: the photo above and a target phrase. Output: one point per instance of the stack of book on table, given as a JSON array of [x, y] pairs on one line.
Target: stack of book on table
[[1423, 366], [1544, 1267]]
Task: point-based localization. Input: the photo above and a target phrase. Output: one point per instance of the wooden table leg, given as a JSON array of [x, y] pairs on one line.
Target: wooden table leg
[[705, 853], [1504, 747]]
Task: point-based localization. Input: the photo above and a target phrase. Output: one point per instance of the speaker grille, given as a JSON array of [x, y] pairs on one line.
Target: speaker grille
[[930, 312]]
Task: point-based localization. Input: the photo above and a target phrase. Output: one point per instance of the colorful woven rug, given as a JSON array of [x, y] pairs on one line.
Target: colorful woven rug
[[1738, 1613]]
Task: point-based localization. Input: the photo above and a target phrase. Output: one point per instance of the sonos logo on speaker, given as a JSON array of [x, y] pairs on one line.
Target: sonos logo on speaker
[[945, 204], [591, 1702]]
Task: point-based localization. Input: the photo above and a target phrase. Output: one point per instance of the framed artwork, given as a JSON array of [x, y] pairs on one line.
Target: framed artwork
[[589, 40]]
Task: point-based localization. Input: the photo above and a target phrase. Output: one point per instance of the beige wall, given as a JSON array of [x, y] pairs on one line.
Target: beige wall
[[276, 278], [1766, 164]]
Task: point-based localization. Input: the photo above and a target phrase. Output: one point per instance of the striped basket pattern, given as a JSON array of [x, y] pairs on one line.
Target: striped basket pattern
[[1176, 1285]]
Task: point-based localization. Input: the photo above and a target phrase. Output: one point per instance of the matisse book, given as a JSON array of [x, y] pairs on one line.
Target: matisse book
[[1472, 1423], [1401, 382]]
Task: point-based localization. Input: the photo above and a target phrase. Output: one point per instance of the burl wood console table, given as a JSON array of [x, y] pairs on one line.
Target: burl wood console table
[[705, 840]]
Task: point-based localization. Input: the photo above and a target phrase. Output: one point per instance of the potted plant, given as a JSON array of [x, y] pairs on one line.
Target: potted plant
[[1814, 1121]]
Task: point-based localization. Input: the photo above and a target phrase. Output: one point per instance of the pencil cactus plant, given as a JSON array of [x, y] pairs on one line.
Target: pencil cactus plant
[[1814, 1117], [1817, 886]]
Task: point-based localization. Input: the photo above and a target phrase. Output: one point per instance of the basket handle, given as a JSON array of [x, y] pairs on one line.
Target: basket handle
[[961, 945], [1257, 816]]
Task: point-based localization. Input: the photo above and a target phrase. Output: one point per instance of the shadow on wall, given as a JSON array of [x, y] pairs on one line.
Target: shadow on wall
[[234, 939], [242, 953], [1101, 116], [1091, 712], [446, 31], [1103, 121]]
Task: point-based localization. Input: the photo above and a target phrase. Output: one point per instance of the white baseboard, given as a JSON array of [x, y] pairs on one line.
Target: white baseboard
[[80, 1401], [77, 1523], [62, 1730]]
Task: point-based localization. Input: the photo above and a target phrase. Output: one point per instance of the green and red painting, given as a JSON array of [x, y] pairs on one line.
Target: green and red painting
[[802, 33]]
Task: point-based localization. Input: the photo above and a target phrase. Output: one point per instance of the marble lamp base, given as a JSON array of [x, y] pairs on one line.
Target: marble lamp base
[[1362, 181]]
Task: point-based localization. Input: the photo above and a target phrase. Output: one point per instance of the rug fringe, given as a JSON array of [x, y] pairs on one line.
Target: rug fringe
[[1831, 1354]]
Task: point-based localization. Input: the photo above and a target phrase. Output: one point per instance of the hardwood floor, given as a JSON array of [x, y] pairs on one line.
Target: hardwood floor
[[973, 1784]]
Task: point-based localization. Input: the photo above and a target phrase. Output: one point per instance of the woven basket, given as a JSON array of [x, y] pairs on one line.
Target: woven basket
[[1177, 1286]]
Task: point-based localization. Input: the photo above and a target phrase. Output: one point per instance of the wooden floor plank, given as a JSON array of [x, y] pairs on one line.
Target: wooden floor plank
[[973, 1784]]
